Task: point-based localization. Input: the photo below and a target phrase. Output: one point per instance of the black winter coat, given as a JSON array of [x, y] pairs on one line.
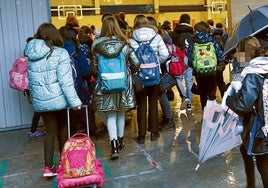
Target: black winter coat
[[181, 33]]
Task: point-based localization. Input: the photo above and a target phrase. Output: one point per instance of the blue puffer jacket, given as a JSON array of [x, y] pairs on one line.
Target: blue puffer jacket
[[51, 83]]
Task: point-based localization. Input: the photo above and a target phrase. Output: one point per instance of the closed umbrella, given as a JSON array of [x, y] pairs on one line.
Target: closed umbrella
[[218, 133], [253, 23]]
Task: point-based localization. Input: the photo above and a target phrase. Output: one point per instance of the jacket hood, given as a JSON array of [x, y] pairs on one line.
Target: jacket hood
[[36, 49], [144, 34], [183, 28], [109, 47], [217, 31], [203, 37]]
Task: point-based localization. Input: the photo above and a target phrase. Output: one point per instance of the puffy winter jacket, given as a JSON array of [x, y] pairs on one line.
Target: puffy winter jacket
[[158, 45], [51, 83], [242, 103], [115, 101]]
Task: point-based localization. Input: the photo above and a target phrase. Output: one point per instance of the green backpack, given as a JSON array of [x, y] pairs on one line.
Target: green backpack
[[205, 59]]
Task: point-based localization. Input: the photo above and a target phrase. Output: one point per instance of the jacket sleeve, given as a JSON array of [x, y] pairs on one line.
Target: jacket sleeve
[[190, 55], [94, 64], [65, 78], [133, 60], [242, 102], [218, 51], [162, 50]]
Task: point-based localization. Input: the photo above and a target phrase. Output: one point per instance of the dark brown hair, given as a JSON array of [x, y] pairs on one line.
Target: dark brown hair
[[202, 27], [50, 34]]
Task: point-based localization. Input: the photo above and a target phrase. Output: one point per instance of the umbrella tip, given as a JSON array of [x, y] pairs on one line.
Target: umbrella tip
[[197, 167], [250, 8]]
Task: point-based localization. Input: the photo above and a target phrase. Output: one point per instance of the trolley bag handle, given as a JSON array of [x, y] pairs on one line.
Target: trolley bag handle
[[68, 119]]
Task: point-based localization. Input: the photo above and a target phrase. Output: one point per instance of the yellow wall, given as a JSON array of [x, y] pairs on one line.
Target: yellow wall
[[125, 2], [161, 17]]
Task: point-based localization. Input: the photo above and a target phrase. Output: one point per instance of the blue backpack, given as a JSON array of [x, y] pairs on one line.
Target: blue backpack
[[112, 73], [149, 67]]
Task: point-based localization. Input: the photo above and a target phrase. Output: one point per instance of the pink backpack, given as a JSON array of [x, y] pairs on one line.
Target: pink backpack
[[77, 156], [18, 77], [79, 164]]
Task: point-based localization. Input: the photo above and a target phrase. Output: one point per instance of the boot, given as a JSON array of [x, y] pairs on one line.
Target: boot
[[121, 143], [114, 151]]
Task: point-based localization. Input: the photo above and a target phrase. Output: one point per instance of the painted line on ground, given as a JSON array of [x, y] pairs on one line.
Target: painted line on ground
[[54, 180], [20, 156], [149, 158], [107, 170], [21, 173], [131, 175], [3, 168]]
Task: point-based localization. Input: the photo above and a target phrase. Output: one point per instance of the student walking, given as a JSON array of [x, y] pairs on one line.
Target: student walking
[[182, 36], [111, 43], [206, 81], [51, 87], [144, 31]]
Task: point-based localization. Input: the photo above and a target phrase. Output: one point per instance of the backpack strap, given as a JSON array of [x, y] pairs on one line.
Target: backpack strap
[[151, 40], [265, 104], [148, 41]]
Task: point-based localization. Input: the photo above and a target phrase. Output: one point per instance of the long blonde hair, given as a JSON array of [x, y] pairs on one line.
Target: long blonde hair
[[142, 21], [110, 27]]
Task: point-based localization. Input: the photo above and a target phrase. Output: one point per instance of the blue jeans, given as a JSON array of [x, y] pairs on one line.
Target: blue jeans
[[188, 76], [167, 113]]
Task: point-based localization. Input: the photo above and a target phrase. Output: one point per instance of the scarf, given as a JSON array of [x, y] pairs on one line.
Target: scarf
[[258, 65]]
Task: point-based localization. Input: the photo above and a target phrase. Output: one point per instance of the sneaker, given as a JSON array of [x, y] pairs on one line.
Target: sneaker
[[50, 172], [35, 134], [184, 103], [188, 107]]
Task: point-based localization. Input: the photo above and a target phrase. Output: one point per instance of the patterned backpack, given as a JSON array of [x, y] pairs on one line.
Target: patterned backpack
[[265, 106], [149, 67], [205, 59], [77, 157], [18, 76]]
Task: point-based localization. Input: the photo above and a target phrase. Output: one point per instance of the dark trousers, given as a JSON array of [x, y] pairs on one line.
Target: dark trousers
[[220, 82], [153, 94], [35, 121], [207, 85], [56, 127], [262, 166]]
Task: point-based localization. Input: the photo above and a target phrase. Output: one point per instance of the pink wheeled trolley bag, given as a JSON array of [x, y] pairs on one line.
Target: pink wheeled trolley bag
[[79, 165]]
